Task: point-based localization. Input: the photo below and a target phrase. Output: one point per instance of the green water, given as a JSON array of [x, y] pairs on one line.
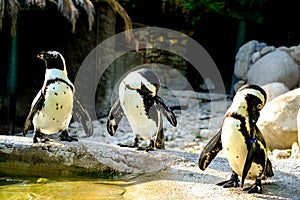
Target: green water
[[41, 188]]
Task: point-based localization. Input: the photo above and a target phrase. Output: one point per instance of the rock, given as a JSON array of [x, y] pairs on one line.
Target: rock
[[259, 46], [281, 154], [296, 54], [73, 158], [277, 66], [267, 50], [285, 49], [171, 144], [298, 125], [206, 133], [243, 59], [277, 120], [255, 57], [238, 85], [274, 90], [295, 150]]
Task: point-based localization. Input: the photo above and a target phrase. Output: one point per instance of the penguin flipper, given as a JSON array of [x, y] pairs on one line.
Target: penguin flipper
[[159, 142], [268, 169], [82, 115], [36, 105], [248, 162], [252, 151], [167, 112], [210, 151], [114, 117]]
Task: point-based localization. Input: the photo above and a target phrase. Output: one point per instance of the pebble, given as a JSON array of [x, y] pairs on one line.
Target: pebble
[[281, 154], [295, 150]]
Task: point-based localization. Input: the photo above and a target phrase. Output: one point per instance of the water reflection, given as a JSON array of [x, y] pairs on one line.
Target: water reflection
[[50, 188]]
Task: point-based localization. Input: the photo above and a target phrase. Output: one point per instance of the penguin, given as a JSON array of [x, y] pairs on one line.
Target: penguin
[[242, 142], [51, 109], [139, 102]]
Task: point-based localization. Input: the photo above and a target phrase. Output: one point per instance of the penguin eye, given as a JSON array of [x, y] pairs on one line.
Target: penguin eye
[[259, 106]]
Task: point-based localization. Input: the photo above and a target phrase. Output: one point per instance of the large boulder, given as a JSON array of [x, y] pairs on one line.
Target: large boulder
[[277, 66], [274, 90], [277, 120], [298, 126]]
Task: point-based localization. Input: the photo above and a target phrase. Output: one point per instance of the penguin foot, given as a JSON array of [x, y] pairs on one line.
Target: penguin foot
[[127, 145], [232, 182], [45, 140], [148, 148], [134, 144], [159, 145], [255, 188], [39, 134], [64, 136]]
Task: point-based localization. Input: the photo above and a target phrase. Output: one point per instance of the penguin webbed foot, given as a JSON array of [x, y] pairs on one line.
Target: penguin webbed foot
[[134, 143], [232, 182], [255, 188], [147, 148], [40, 135], [64, 136]]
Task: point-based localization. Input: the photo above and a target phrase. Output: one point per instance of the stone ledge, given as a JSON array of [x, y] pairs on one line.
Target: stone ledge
[[79, 158]]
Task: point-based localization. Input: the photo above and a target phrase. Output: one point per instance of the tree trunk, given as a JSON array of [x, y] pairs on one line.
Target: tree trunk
[[106, 22]]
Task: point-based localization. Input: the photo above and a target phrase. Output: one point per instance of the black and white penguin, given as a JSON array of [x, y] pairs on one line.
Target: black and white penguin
[[241, 140], [139, 101], [51, 109]]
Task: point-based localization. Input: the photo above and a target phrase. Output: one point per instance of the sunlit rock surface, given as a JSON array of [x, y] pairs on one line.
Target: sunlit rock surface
[[79, 158], [278, 120]]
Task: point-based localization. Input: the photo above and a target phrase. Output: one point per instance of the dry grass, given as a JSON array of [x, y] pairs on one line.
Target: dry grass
[[68, 8]]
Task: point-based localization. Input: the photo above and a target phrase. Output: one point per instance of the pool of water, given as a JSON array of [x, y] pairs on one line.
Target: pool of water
[[43, 188]]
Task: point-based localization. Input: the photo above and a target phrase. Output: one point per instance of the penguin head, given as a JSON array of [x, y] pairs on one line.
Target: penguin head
[[53, 60], [248, 101], [255, 94], [144, 81]]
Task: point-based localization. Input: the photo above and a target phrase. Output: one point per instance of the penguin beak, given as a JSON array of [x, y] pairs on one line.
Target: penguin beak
[[152, 94], [152, 90], [42, 55]]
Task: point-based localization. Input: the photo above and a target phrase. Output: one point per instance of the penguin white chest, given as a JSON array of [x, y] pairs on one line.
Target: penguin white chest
[[133, 105], [56, 112], [233, 144], [235, 148]]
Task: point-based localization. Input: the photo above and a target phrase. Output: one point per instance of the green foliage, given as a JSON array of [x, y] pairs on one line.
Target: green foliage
[[246, 10]]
